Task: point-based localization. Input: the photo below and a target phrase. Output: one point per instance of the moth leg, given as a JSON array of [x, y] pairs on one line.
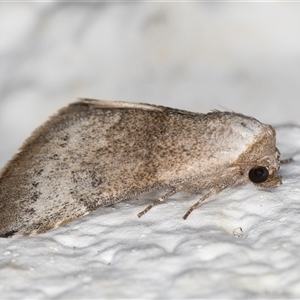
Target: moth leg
[[159, 200], [286, 161], [211, 192]]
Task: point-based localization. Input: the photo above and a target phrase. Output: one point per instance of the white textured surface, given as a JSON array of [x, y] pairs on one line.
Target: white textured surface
[[194, 56]]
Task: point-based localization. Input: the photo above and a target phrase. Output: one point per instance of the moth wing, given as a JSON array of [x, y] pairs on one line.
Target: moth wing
[[118, 104], [104, 104]]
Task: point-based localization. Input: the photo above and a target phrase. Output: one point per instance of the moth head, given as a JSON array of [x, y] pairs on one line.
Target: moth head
[[260, 162], [264, 172]]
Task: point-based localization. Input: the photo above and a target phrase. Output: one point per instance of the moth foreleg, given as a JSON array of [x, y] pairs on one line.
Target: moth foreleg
[[286, 161], [159, 200], [211, 192]]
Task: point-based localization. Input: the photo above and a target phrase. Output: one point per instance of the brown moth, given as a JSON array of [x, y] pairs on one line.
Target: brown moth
[[96, 153]]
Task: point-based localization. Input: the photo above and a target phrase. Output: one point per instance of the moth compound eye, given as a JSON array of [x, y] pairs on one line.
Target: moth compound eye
[[258, 174]]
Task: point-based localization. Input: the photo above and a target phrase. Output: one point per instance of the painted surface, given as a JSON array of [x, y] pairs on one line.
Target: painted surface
[[241, 56]]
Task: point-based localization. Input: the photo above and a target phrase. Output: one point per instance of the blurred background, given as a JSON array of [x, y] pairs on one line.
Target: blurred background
[[195, 56]]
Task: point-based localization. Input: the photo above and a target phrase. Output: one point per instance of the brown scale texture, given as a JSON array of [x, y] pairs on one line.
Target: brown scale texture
[[96, 153]]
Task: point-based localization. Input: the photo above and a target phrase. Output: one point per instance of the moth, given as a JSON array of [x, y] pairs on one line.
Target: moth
[[96, 153]]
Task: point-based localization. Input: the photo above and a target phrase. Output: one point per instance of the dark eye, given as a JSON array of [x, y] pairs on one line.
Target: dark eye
[[258, 174]]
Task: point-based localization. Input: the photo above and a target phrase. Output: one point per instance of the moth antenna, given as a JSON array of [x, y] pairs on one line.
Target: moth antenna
[[159, 200]]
